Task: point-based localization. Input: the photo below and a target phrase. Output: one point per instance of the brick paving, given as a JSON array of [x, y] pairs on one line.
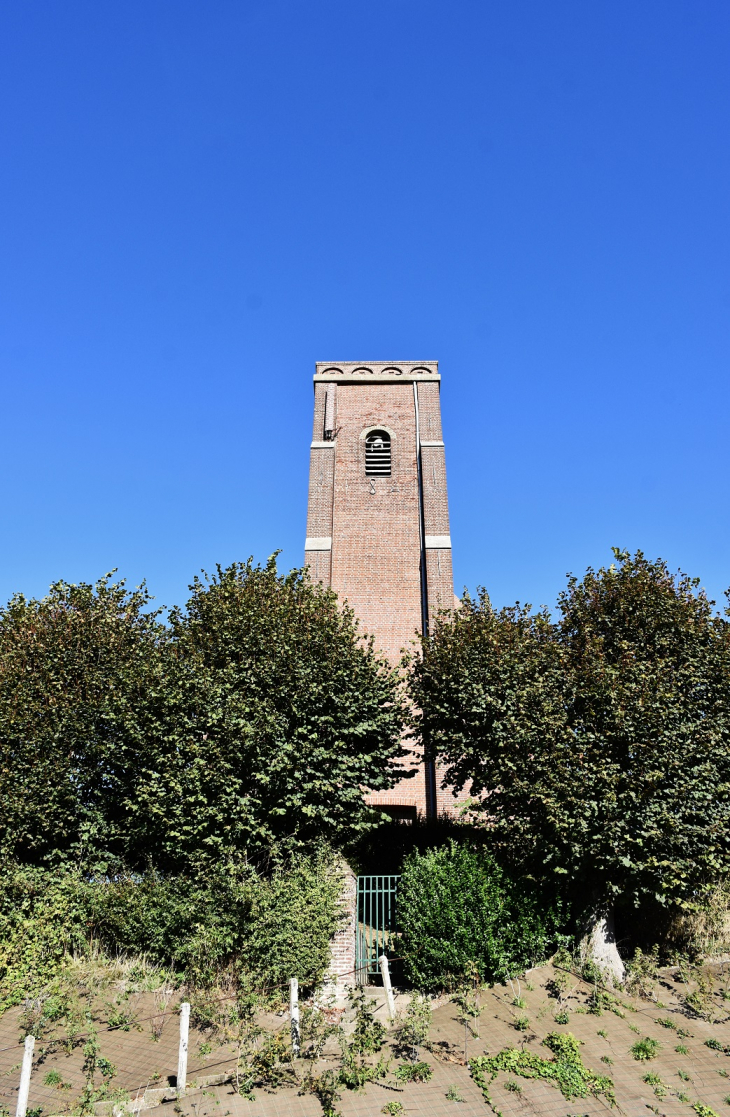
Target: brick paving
[[699, 1077]]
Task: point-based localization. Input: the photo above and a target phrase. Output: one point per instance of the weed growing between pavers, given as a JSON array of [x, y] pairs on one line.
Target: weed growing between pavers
[[368, 1037], [565, 1069], [414, 1072], [645, 1049], [369, 1034], [412, 1027], [660, 1088], [600, 1001], [355, 1071]]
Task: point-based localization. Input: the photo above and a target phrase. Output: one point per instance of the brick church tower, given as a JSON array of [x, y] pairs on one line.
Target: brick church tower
[[378, 517]]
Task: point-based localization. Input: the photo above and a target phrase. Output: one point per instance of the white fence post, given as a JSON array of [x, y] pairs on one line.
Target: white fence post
[[385, 971], [182, 1056], [25, 1077], [294, 1013]]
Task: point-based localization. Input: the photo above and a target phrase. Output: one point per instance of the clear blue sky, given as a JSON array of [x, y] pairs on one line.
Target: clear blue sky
[[199, 200]]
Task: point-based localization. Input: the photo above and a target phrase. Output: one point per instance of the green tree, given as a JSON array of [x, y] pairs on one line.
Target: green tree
[[280, 715], [77, 669], [598, 746]]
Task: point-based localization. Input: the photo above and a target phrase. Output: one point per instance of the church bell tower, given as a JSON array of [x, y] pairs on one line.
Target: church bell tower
[[378, 517]]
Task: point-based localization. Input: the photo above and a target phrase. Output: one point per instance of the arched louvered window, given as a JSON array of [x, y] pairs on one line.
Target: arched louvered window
[[377, 454]]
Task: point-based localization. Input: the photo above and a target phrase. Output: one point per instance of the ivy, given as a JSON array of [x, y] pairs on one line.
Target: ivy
[[565, 1069]]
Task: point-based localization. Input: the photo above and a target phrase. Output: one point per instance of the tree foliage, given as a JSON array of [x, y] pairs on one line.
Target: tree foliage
[[252, 723], [280, 716], [597, 746], [77, 670]]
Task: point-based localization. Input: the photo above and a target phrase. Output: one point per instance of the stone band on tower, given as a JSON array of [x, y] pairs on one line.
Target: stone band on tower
[[378, 517]]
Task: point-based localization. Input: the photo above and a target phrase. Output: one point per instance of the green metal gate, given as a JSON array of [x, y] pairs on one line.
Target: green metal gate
[[376, 923]]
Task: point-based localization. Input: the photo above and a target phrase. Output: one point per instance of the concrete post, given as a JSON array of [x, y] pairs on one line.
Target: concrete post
[[385, 971], [182, 1056], [294, 1013], [25, 1077]]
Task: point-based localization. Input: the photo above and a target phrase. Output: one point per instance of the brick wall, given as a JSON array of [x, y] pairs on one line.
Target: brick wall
[[364, 533], [341, 972]]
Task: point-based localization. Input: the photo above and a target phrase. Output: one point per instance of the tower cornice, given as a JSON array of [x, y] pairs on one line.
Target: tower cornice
[[375, 372]]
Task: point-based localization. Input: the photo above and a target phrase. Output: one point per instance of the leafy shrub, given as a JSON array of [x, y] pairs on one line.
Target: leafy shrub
[[591, 972], [456, 907], [412, 1027], [369, 1033], [268, 928], [263, 928], [42, 918]]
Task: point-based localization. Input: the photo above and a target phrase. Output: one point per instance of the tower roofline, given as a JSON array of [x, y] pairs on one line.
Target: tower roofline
[[375, 372]]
